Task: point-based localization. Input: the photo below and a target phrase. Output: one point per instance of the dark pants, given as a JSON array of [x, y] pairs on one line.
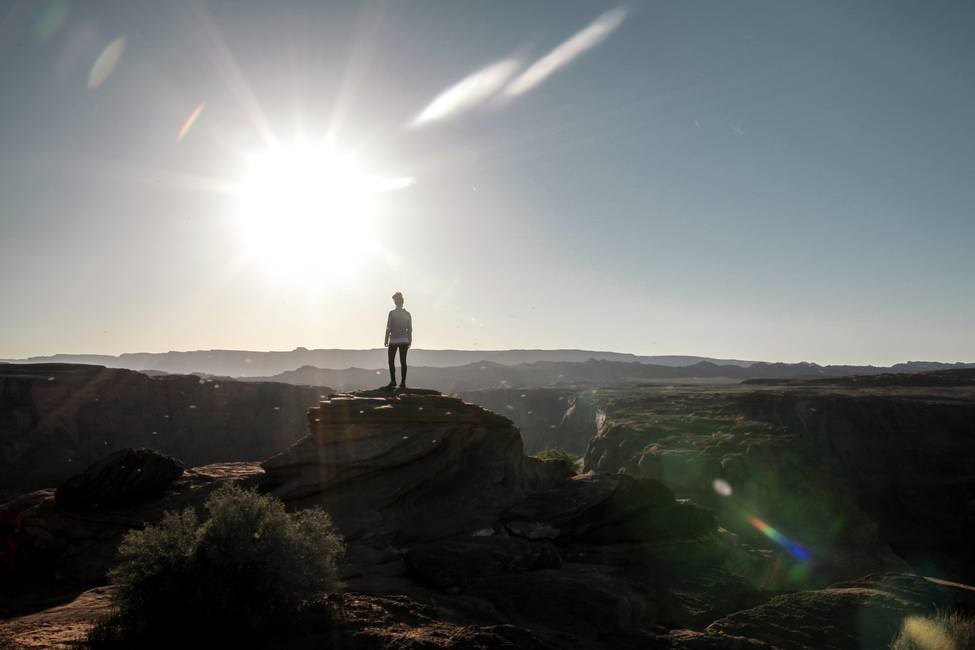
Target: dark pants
[[402, 347]]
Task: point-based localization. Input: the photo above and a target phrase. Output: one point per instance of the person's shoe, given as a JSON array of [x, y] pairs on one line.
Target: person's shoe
[[391, 385], [402, 386]]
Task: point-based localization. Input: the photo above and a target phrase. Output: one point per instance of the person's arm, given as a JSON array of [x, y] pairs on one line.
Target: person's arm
[[409, 329], [386, 340]]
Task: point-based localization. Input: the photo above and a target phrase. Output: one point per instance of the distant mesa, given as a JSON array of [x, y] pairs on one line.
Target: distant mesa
[[251, 363], [462, 370], [592, 373]]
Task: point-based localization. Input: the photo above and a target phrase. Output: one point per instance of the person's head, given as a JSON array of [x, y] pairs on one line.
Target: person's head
[[398, 299]]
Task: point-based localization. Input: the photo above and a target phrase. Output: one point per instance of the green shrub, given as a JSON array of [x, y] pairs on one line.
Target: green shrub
[[942, 631], [556, 454], [249, 566]]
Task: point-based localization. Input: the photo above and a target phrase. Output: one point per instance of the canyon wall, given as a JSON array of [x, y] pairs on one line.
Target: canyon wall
[[58, 418], [850, 472]]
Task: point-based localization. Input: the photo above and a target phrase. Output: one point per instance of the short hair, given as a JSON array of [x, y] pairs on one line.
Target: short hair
[[397, 296]]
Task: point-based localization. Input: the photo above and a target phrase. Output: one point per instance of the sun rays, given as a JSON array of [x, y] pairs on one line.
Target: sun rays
[[308, 209], [305, 203]]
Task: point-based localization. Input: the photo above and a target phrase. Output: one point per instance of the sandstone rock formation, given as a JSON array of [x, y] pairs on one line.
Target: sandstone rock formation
[[407, 465]]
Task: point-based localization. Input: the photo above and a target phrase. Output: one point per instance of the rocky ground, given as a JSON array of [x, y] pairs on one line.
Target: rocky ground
[[457, 539]]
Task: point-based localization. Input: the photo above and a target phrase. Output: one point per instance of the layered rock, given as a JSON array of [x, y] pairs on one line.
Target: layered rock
[[407, 465], [499, 532]]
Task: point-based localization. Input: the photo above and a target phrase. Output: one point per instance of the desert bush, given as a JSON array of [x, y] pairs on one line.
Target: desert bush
[[249, 566], [556, 454], [942, 631]]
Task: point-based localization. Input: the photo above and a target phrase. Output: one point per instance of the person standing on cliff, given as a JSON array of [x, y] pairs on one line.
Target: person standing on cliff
[[399, 336]]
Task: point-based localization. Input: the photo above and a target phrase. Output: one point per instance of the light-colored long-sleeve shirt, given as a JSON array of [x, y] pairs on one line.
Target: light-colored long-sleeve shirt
[[399, 327]]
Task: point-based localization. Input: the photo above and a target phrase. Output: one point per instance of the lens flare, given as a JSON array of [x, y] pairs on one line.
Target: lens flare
[[722, 487], [50, 18], [469, 92], [586, 39], [794, 548], [189, 121], [105, 63]]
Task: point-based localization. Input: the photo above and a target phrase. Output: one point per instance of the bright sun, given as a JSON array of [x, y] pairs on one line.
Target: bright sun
[[309, 209]]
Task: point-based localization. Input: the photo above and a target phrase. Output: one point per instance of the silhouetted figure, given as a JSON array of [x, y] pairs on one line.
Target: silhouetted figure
[[399, 336]]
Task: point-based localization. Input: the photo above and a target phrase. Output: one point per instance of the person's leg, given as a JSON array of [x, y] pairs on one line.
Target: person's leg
[[391, 353], [402, 362]]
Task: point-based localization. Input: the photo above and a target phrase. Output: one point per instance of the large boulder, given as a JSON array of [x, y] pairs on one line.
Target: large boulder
[[128, 476], [407, 466]]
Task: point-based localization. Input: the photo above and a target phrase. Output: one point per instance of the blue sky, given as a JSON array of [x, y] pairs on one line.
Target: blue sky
[[766, 180]]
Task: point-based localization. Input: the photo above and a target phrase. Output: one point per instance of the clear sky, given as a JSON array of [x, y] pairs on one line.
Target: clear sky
[[765, 180]]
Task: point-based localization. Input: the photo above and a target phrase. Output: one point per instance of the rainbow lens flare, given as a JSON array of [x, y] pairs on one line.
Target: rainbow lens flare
[[795, 549], [189, 121]]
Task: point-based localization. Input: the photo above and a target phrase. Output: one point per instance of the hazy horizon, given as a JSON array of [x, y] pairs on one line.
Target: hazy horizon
[[745, 181], [380, 359]]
